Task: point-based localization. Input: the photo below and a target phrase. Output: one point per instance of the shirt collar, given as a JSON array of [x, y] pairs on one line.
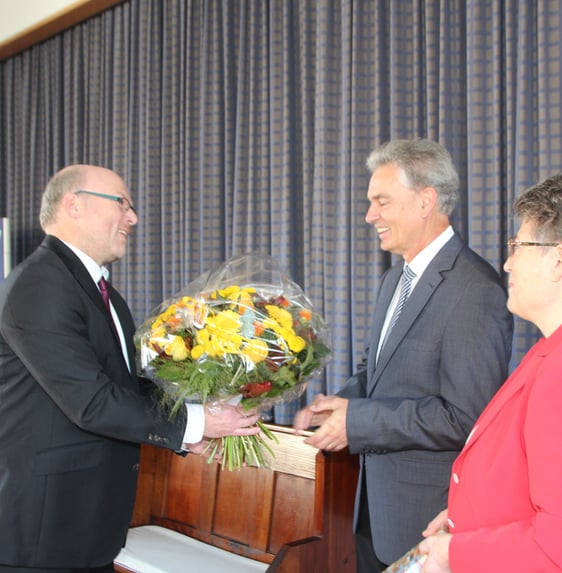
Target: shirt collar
[[421, 261], [94, 270]]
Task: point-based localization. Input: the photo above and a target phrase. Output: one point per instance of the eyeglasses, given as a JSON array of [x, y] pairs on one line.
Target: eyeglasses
[[514, 245], [123, 202]]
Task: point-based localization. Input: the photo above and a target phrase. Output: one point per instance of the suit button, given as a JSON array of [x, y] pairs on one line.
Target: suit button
[[135, 467]]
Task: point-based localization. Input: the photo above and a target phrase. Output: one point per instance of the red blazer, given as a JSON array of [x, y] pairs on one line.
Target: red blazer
[[505, 498]]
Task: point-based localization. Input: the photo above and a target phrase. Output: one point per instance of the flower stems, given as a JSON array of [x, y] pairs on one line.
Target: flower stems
[[239, 451]]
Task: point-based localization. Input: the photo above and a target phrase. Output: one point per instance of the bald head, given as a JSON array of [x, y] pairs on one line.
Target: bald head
[[65, 181], [89, 207]]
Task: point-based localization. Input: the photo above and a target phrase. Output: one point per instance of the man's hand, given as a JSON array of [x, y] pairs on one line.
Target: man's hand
[[307, 418], [330, 412], [223, 419], [197, 448]]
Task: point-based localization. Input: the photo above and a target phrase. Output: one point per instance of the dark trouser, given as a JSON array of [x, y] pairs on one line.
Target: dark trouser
[[367, 561], [10, 569]]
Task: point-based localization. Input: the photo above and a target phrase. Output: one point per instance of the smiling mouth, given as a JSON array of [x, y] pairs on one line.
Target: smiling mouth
[[382, 230]]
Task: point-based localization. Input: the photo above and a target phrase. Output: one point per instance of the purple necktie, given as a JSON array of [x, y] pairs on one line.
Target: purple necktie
[[104, 294], [102, 283]]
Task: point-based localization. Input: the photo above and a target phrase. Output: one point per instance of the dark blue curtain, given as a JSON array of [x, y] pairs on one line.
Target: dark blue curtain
[[245, 124]]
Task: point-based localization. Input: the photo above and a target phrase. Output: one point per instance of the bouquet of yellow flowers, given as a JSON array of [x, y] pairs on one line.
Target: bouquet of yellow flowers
[[243, 332]]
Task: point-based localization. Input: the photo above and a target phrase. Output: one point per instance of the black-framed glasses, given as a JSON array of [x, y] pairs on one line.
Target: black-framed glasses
[[513, 245], [123, 202]]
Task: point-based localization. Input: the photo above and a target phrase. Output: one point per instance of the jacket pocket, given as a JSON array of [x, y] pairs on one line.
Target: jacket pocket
[[424, 472]]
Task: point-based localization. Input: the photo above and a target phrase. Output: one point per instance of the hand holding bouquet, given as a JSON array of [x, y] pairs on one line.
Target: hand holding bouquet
[[243, 333], [411, 562]]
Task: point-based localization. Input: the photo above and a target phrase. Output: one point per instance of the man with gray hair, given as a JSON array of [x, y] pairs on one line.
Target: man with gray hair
[[439, 350]]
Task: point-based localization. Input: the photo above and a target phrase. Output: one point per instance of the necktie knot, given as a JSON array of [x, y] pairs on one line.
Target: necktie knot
[[408, 275]]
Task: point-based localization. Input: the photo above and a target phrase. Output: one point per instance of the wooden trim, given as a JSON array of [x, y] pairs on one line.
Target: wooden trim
[[59, 22], [296, 524]]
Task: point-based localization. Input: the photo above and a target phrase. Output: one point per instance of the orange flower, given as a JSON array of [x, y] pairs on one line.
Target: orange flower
[[305, 314], [258, 328]]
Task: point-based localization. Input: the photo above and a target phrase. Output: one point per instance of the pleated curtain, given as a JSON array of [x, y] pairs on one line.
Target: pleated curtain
[[244, 125]]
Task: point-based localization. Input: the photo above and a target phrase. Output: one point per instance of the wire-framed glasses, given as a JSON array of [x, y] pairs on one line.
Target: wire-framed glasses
[[513, 245]]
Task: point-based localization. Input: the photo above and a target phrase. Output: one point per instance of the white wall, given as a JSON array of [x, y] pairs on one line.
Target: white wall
[[17, 16]]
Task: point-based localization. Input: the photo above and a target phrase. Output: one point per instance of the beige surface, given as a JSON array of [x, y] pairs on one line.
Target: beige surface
[[16, 16], [292, 455]]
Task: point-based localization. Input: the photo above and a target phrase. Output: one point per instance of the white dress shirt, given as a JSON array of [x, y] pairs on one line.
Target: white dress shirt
[[418, 265], [195, 412]]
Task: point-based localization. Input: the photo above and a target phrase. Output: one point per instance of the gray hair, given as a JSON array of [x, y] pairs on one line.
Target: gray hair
[[61, 183], [541, 206], [423, 163]]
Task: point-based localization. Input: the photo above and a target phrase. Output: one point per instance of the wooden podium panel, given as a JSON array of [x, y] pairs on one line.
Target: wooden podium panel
[[295, 515]]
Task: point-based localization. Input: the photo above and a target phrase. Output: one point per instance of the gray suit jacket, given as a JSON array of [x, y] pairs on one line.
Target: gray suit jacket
[[72, 417], [410, 413]]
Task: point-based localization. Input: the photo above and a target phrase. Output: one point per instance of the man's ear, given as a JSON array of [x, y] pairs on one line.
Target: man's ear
[[71, 205], [428, 198]]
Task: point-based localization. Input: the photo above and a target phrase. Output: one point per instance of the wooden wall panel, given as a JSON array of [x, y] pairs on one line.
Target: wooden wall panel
[[298, 517]]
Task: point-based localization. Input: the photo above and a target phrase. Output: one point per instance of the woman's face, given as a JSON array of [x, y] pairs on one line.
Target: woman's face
[[532, 283]]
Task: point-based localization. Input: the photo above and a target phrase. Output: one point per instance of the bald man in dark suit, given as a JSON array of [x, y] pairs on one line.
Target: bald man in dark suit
[[73, 412]]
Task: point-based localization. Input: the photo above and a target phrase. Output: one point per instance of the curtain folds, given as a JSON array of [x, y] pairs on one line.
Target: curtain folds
[[244, 125]]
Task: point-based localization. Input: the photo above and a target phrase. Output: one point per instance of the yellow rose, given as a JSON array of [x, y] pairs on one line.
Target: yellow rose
[[255, 350], [197, 351], [296, 343], [245, 300], [203, 338], [220, 345], [177, 349], [170, 311], [225, 322], [158, 331], [229, 291], [282, 316]]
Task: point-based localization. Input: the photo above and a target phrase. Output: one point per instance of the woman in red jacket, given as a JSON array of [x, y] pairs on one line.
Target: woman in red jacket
[[505, 497]]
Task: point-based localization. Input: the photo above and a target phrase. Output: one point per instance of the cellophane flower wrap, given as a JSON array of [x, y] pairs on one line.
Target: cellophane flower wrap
[[243, 332], [411, 562]]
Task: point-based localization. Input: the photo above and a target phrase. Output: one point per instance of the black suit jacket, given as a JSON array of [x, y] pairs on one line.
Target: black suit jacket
[[72, 416], [410, 413]]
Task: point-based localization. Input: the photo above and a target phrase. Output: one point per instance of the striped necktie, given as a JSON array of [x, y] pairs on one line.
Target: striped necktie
[[408, 275]]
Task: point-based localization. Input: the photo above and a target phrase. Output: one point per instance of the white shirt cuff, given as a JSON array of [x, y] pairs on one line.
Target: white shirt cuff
[[195, 424]]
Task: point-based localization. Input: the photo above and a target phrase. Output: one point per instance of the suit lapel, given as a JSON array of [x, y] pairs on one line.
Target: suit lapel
[[82, 276], [76, 268], [127, 324], [388, 286], [423, 291]]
